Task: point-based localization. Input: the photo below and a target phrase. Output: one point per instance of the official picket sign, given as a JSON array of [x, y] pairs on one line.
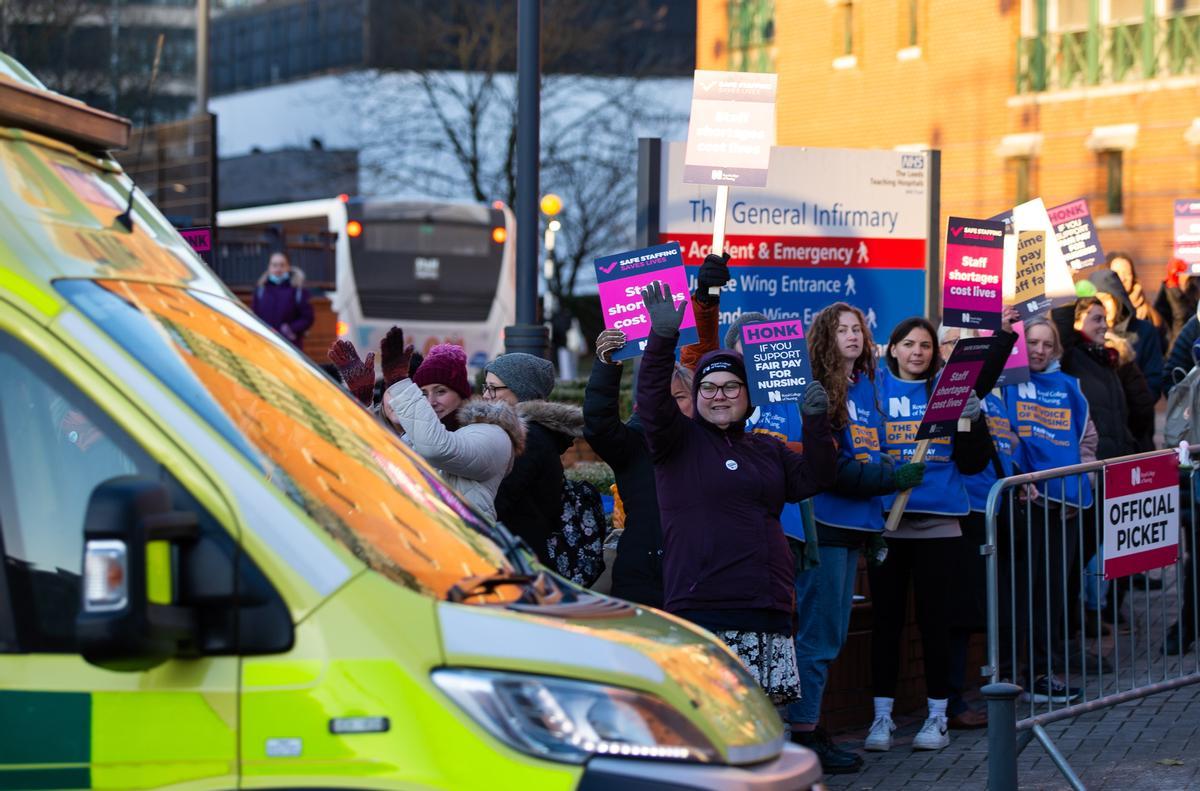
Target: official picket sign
[[1141, 515], [954, 386], [831, 225], [1076, 234], [1187, 233], [620, 279], [731, 129], [777, 363], [972, 295], [1029, 297]]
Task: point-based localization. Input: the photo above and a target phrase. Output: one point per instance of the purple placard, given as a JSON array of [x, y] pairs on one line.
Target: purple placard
[[1016, 370], [620, 279], [954, 386], [1187, 233], [777, 363], [973, 295], [1076, 234], [200, 239]]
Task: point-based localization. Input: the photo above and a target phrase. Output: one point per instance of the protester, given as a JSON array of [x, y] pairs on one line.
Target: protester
[[530, 499], [922, 549], [1177, 298], [1139, 334], [726, 563], [637, 570], [281, 301], [1122, 264], [1046, 444], [1180, 361], [968, 609], [847, 517]]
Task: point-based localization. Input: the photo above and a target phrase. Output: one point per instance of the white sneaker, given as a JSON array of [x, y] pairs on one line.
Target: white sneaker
[[934, 735], [880, 737]]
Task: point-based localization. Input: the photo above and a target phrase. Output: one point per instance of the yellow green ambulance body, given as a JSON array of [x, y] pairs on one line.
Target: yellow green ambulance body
[[220, 572]]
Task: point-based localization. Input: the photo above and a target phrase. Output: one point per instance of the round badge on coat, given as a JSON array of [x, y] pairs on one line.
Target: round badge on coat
[[731, 464]]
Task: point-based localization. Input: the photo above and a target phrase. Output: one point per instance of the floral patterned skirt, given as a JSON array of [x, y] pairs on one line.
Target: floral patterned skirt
[[771, 660]]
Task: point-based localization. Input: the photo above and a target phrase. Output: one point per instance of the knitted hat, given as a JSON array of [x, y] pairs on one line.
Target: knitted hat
[[530, 378], [446, 364], [735, 329]]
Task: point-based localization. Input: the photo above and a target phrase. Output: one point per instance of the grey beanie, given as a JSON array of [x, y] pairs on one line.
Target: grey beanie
[[530, 378], [735, 329]]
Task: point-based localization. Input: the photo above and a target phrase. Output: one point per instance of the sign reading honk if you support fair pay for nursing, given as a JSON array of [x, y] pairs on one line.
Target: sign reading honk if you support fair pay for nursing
[[777, 361]]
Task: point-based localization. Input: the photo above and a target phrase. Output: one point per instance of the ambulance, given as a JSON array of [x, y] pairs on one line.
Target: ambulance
[[220, 572]]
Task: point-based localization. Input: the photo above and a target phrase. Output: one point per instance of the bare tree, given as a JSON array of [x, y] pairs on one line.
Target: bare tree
[[448, 126]]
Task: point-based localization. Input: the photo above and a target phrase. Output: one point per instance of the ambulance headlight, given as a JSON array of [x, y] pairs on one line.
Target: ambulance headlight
[[572, 721]]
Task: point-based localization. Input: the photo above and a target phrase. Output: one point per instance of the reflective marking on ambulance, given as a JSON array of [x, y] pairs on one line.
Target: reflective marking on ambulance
[[264, 514]]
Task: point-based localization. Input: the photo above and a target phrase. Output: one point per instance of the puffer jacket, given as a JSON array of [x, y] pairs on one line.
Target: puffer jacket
[[530, 499], [1144, 341], [473, 459]]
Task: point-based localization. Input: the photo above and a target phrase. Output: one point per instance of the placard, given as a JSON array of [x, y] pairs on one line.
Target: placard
[[200, 239], [778, 367], [620, 279], [1141, 515], [954, 386], [1029, 296], [731, 129], [1032, 216], [1076, 234], [1187, 233], [1016, 369], [972, 294]]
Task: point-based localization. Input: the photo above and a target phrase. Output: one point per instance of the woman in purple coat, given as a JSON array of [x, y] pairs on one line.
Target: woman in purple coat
[[281, 301], [726, 562]]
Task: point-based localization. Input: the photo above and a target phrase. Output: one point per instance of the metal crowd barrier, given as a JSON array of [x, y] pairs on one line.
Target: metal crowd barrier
[[1040, 616]]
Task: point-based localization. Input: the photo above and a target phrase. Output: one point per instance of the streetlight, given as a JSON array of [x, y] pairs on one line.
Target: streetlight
[[551, 205]]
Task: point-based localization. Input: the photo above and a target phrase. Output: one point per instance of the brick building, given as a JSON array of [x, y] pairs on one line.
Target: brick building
[[1025, 98]]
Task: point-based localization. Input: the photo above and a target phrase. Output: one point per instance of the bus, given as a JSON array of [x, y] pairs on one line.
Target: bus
[[443, 271]]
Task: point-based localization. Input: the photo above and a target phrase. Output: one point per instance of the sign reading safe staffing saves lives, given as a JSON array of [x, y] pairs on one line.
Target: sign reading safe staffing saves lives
[[1141, 515], [777, 361], [731, 129], [954, 386], [1187, 233], [972, 294], [620, 279]]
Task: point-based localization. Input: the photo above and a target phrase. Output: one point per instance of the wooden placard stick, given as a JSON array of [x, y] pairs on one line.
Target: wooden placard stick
[[893, 520], [719, 214]]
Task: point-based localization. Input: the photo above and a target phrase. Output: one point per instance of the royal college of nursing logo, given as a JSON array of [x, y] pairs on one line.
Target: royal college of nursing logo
[[899, 407]]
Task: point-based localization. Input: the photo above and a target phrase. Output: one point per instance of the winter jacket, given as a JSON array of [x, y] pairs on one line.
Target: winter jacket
[[720, 493], [530, 499], [474, 458], [637, 572], [1100, 384], [1180, 360], [284, 304], [1139, 400], [1140, 334]]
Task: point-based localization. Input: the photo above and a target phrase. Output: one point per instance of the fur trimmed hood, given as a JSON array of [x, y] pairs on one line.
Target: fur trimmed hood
[[562, 418], [498, 413]]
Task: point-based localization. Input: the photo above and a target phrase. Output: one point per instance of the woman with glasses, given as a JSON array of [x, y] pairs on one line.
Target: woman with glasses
[[726, 561]]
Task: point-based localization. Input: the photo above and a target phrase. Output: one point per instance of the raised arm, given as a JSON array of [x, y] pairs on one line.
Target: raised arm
[[707, 308], [665, 425], [612, 440]]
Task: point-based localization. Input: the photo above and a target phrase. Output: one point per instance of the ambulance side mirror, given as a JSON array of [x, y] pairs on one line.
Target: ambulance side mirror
[[128, 619]]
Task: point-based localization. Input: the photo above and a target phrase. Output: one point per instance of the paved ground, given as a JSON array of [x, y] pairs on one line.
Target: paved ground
[[1151, 743]]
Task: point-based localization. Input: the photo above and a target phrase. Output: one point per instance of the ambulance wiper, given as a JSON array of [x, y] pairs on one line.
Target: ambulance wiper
[[537, 588]]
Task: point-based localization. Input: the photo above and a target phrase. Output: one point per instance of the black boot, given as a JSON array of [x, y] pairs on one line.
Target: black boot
[[834, 760], [1174, 644]]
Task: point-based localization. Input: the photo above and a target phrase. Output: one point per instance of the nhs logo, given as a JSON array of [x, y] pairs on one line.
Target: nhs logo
[[853, 410], [1135, 476], [899, 407], [773, 397], [912, 161], [1026, 390]]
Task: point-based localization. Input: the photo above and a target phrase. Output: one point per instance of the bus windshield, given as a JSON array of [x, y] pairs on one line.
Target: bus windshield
[[328, 455], [426, 262]]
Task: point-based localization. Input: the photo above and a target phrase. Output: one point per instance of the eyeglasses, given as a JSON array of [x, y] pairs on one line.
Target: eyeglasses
[[730, 389], [491, 390]]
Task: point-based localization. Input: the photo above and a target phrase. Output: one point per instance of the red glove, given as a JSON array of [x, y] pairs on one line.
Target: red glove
[[395, 356], [359, 375]]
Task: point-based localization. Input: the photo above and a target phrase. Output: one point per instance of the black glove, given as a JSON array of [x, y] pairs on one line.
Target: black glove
[[714, 272], [665, 317], [816, 400]]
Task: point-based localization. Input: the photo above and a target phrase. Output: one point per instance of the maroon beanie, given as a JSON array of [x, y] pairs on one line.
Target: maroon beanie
[[446, 364]]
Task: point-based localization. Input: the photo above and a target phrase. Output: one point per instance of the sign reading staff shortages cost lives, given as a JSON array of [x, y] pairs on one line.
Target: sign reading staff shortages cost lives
[[831, 225], [1141, 515]]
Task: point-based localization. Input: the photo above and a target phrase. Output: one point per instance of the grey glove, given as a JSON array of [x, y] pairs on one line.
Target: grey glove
[[816, 400], [973, 408], [665, 317]]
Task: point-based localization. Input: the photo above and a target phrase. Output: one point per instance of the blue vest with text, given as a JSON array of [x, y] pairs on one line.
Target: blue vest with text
[[859, 440], [783, 422], [1049, 414], [1005, 439], [941, 491]]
